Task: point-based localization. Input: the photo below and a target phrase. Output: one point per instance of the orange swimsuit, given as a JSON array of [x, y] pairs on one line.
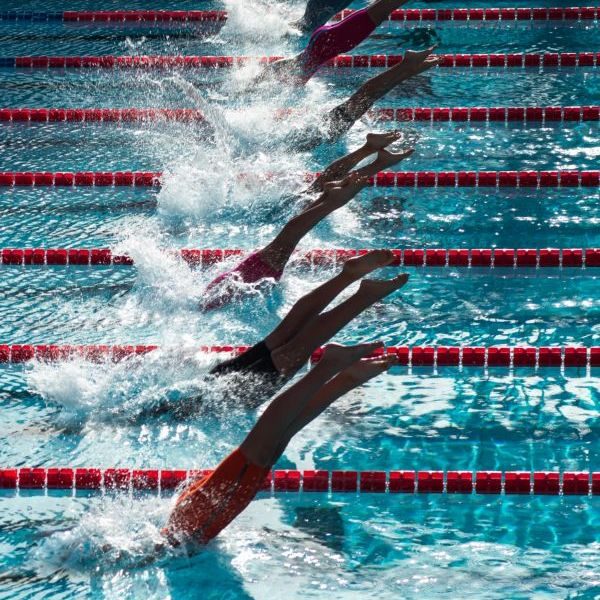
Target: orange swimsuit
[[208, 505]]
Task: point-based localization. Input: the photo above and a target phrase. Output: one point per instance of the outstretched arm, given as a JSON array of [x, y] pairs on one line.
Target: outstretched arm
[[283, 69], [189, 89]]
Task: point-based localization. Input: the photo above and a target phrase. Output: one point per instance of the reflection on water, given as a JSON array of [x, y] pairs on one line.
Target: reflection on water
[[232, 183]]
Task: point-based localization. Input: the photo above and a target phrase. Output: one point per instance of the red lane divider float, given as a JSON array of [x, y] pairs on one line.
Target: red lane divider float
[[404, 179], [409, 257], [107, 115], [408, 482], [415, 356], [163, 16], [461, 15], [550, 59], [474, 114]]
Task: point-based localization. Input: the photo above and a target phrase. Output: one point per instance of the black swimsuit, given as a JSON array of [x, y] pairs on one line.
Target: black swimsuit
[[255, 360]]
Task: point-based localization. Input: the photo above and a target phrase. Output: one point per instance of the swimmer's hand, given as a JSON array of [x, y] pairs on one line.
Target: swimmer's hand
[[419, 62]]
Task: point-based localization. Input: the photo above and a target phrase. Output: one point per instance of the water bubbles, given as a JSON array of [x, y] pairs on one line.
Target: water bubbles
[[113, 534]]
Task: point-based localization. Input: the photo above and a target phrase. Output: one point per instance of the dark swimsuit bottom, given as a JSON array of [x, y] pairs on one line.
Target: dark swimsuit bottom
[[255, 360]]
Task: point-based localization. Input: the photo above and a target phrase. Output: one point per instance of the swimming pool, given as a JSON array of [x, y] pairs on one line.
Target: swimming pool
[[343, 545]]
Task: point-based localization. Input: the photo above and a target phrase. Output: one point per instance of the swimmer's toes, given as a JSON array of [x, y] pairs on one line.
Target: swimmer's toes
[[378, 288], [343, 356], [377, 141], [367, 368], [361, 265]]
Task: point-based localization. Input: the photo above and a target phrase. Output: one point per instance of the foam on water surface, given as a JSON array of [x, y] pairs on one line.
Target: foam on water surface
[[81, 413]]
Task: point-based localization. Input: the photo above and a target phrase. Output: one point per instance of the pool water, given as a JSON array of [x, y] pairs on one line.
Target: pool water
[[90, 545]]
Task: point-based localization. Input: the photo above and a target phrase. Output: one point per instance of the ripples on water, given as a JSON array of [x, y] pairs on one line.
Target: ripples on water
[[219, 193]]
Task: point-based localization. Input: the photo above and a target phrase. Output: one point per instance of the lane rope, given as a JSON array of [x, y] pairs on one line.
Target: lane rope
[[461, 15], [520, 60], [411, 356], [513, 258], [473, 114], [404, 179], [409, 482]]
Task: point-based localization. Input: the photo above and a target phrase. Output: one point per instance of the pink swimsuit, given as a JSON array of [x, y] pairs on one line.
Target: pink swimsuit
[[328, 41], [252, 269]]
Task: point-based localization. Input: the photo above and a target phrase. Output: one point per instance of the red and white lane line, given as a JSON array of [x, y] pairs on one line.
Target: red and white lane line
[[516, 60], [495, 15], [408, 482], [460, 15], [512, 258], [474, 114], [411, 356], [404, 179]]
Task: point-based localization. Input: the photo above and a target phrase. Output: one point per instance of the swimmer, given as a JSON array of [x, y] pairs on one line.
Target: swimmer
[[270, 261], [275, 359], [306, 327], [208, 505], [340, 119], [330, 40]]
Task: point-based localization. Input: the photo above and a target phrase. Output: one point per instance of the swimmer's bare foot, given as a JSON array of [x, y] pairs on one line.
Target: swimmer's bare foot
[[376, 289], [362, 265], [367, 368], [378, 141], [386, 159], [350, 186], [418, 62], [343, 356], [350, 179]]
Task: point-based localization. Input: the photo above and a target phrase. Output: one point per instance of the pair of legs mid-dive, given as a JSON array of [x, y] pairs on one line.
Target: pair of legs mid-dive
[[270, 261], [208, 505], [328, 41], [308, 326], [340, 119]]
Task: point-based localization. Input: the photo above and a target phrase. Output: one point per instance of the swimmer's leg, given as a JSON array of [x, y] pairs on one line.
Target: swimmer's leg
[[317, 13], [345, 381], [310, 305], [264, 442], [343, 116], [277, 253], [374, 143], [340, 167], [292, 355]]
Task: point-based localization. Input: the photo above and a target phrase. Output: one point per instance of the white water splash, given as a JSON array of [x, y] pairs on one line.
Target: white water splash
[[124, 391], [260, 23], [113, 534]]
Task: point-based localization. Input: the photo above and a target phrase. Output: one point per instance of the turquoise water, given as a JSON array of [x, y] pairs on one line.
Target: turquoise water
[[307, 546]]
